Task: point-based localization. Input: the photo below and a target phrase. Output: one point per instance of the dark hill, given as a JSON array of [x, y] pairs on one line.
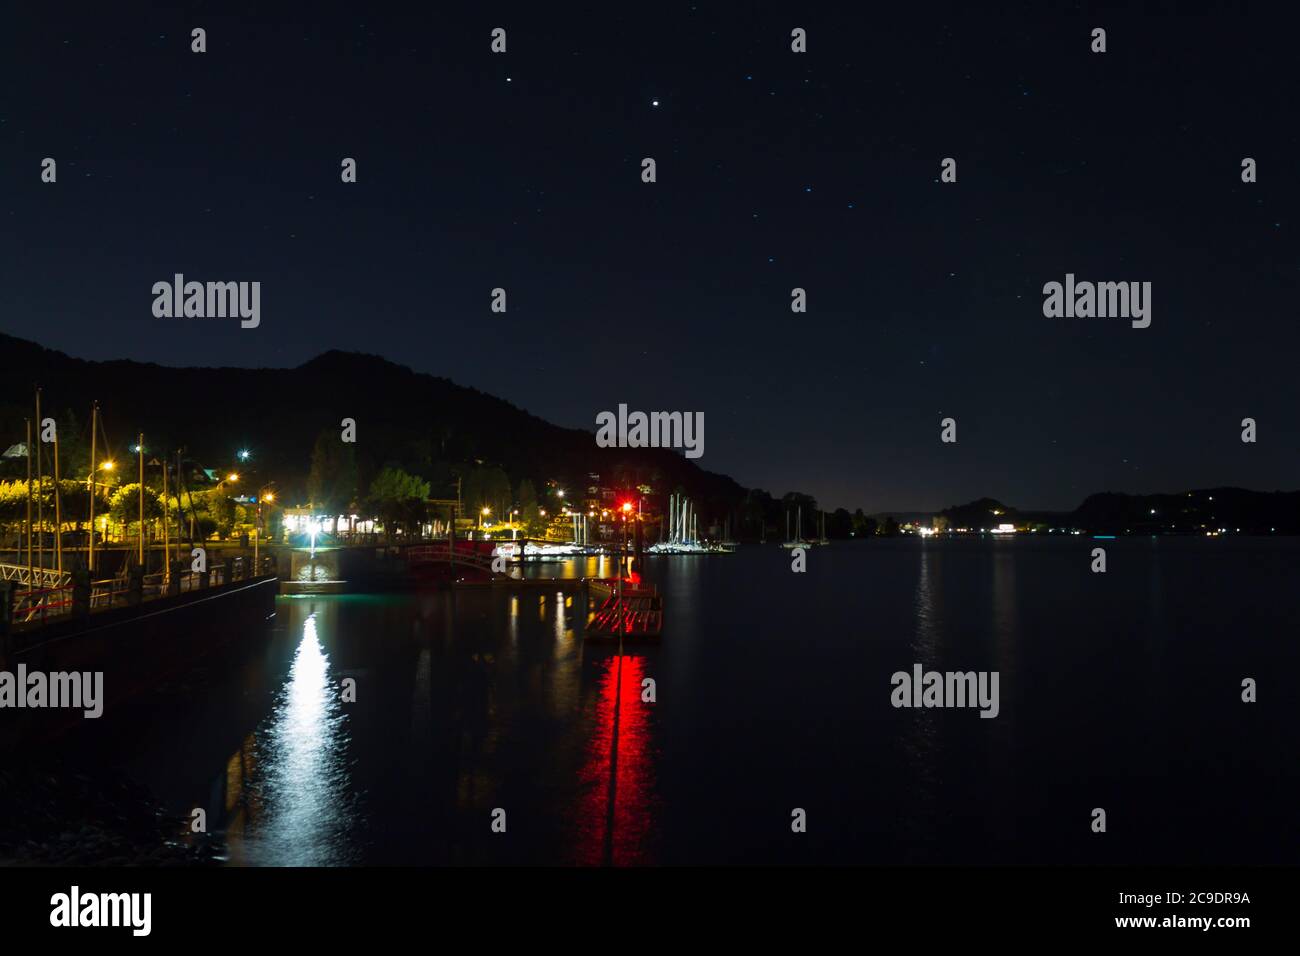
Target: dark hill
[[1187, 512], [426, 424]]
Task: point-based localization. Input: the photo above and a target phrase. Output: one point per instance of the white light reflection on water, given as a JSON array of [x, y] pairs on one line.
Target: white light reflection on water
[[302, 813]]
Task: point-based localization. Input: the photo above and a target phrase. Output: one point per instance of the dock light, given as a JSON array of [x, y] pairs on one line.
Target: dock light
[[106, 466], [487, 511], [233, 476]]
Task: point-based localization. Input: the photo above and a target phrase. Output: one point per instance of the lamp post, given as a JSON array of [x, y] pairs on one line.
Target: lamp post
[[622, 550], [263, 494], [105, 466], [139, 450]]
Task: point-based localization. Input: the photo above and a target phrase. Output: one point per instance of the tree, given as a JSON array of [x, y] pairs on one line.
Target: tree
[[759, 511], [74, 447], [398, 497], [485, 487], [332, 482], [529, 510], [527, 495], [863, 525], [221, 509], [124, 506]]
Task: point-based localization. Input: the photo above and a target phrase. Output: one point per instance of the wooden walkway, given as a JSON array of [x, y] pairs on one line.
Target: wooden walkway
[[639, 616]]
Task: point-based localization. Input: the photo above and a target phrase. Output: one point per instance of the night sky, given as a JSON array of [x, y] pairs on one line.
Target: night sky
[[775, 170]]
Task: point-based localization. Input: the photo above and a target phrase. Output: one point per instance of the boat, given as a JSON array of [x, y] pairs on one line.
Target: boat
[[796, 542], [683, 532]]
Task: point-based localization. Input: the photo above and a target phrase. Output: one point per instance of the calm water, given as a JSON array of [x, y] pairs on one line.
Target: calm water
[[1119, 691]]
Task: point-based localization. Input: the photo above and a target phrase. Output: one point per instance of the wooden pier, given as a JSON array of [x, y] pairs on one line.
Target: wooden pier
[[639, 615]]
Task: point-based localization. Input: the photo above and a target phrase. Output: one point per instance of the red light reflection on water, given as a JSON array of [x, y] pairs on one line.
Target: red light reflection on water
[[616, 812]]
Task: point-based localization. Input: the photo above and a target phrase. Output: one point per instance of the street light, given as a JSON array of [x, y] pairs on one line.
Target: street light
[[263, 494], [622, 552]]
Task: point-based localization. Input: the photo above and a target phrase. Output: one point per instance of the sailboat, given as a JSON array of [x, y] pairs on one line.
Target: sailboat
[[726, 545], [683, 535], [823, 539], [797, 541]]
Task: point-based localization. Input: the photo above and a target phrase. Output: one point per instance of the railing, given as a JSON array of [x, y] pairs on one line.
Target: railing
[[47, 577], [39, 605], [465, 552]]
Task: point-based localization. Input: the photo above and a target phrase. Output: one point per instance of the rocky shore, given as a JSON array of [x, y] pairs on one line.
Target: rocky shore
[[57, 815]]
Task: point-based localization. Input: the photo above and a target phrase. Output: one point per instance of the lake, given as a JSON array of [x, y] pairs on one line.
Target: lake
[[1120, 691]]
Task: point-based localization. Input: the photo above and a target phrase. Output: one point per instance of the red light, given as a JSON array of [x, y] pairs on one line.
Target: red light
[[627, 506]]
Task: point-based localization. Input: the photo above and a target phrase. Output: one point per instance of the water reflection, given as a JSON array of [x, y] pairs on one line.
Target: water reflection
[[479, 698], [921, 741], [288, 785], [617, 810]]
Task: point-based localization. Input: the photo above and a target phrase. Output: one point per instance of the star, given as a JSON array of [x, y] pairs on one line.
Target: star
[[654, 103]]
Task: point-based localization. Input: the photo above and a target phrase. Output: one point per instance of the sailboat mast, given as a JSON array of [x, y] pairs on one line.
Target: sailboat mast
[[58, 507], [94, 425], [167, 543], [30, 580], [40, 485], [139, 447]]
